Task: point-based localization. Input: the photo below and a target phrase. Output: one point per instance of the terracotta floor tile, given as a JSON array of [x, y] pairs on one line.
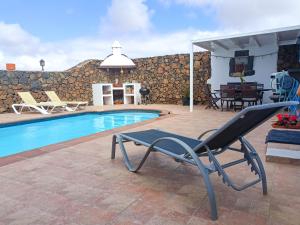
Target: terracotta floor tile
[[24, 216], [80, 184], [159, 220]]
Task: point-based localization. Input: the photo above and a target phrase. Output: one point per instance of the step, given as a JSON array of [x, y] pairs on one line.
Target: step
[[283, 153]]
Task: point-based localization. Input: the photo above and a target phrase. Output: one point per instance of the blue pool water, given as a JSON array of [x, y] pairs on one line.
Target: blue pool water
[[29, 135]]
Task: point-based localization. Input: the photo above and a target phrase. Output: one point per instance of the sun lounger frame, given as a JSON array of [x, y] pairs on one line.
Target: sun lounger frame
[[53, 97], [41, 109], [31, 104], [193, 157]]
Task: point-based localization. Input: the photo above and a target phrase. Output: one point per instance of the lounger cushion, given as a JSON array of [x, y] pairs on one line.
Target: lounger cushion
[[284, 137], [147, 137]]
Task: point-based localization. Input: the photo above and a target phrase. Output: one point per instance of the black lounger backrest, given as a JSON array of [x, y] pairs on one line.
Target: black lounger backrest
[[241, 124]]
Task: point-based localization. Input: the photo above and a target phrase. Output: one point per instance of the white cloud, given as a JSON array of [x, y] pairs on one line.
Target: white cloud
[[135, 34], [14, 39], [1, 56], [126, 16], [190, 3], [171, 43], [247, 15], [65, 54], [20, 47], [257, 14]]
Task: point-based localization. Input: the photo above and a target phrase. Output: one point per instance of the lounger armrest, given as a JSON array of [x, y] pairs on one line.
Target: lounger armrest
[[206, 132]]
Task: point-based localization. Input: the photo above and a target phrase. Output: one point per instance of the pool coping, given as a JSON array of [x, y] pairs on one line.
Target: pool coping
[[163, 114]]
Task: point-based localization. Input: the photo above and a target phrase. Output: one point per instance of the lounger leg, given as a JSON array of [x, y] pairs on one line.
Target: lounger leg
[[15, 109], [127, 162], [52, 109], [69, 109], [76, 107], [209, 188], [203, 170], [259, 164], [21, 109], [263, 176], [113, 148], [211, 198]]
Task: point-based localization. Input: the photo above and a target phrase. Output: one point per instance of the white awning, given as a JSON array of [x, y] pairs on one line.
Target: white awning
[[279, 36], [117, 59]]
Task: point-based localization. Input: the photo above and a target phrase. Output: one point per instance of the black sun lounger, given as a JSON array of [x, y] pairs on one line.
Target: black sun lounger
[[190, 150]]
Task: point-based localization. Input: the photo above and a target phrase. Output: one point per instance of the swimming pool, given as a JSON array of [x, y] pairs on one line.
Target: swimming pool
[[24, 136]]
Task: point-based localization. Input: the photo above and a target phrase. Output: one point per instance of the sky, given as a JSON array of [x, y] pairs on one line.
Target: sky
[[66, 32]]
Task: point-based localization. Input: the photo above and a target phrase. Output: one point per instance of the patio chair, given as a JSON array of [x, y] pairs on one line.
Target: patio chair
[[249, 95], [190, 150], [29, 102], [228, 96], [260, 88], [212, 98], [54, 98]]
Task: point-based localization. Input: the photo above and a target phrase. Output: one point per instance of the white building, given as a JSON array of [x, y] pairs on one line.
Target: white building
[[263, 46]]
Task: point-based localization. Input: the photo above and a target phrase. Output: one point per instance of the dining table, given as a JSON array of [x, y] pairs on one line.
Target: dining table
[[258, 90], [238, 102]]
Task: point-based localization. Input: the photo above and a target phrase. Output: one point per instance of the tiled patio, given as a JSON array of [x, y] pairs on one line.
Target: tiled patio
[[82, 185]]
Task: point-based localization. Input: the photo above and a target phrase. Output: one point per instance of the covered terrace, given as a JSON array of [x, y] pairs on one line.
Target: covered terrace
[[262, 46]]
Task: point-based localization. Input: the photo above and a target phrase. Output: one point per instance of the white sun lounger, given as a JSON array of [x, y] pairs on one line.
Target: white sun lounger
[[30, 103], [53, 97]]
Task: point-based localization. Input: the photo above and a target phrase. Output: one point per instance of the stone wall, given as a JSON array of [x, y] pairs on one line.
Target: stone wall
[[167, 77], [288, 57], [13, 82]]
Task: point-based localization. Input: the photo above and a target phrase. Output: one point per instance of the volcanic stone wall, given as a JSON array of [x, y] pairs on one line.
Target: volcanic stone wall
[[288, 57], [166, 76]]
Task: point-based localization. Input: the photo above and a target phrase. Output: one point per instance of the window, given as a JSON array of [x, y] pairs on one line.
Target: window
[[241, 65]]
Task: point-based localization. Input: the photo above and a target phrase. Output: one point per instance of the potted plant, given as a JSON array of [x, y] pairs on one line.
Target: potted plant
[[186, 97], [286, 121]]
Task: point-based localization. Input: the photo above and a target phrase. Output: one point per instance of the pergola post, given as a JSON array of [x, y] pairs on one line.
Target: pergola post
[[192, 77]]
